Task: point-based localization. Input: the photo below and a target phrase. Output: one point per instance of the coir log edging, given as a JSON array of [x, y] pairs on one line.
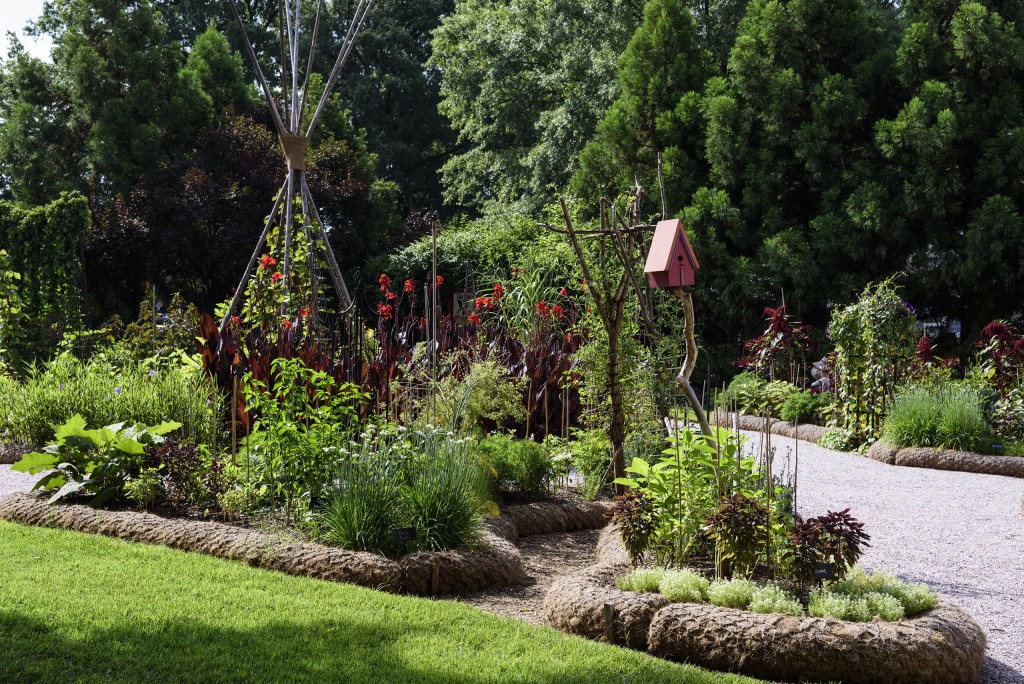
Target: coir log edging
[[496, 563], [942, 646], [805, 431], [11, 453], [946, 459]]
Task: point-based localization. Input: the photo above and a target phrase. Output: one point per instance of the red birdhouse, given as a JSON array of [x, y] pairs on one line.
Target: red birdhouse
[[671, 261]]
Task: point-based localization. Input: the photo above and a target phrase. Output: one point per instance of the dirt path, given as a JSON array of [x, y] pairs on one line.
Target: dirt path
[[546, 557]]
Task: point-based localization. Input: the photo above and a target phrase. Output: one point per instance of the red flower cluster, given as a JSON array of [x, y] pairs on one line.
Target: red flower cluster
[[385, 282], [485, 303], [408, 286], [474, 319], [556, 310], [287, 324], [499, 291], [236, 321], [303, 312], [439, 281], [543, 309], [385, 311], [563, 292], [267, 262], [277, 277]]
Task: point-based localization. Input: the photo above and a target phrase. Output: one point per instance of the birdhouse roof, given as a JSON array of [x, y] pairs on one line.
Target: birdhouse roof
[[669, 238]]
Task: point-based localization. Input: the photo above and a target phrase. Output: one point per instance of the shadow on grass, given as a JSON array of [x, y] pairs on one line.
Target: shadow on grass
[[332, 651]]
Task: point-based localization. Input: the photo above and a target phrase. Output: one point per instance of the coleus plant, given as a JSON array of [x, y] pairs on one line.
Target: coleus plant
[[780, 351]]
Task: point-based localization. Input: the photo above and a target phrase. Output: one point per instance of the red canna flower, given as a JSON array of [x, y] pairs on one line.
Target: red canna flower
[[498, 291], [384, 281], [236, 321], [474, 319], [408, 286], [563, 292], [287, 324], [557, 310], [543, 309], [385, 311], [439, 281], [568, 337], [480, 303], [303, 312], [389, 294], [267, 262], [277, 277]]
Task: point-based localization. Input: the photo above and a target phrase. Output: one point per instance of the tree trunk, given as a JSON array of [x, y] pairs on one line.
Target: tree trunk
[[617, 426]]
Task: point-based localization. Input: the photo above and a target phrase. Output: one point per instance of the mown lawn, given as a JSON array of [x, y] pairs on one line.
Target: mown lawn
[[82, 608]]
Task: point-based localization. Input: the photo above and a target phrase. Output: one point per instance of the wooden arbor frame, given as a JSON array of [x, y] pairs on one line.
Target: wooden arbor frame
[[295, 141]]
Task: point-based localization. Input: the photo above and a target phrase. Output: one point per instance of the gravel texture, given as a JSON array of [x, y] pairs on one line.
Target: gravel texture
[[11, 482], [960, 533]]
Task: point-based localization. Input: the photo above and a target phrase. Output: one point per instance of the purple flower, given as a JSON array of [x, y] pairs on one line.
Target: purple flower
[[61, 386], [910, 307], [151, 373], [117, 390]]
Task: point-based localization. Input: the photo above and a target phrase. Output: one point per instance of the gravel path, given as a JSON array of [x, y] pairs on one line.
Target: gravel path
[[11, 481], [960, 533]]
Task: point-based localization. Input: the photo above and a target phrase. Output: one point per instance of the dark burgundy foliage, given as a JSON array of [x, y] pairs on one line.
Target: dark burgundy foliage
[[633, 515], [836, 539], [781, 351], [740, 531]]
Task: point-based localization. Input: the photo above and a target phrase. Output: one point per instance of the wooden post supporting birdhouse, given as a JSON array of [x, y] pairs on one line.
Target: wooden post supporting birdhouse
[[671, 261]]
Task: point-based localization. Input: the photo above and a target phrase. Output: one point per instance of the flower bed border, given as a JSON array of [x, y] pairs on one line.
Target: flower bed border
[[944, 645], [497, 563], [11, 453]]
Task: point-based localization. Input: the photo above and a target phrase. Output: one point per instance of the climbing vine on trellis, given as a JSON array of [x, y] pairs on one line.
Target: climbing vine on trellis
[[874, 340], [43, 244]]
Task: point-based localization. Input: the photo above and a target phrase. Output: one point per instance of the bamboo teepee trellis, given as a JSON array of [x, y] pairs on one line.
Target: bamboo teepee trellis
[[294, 142]]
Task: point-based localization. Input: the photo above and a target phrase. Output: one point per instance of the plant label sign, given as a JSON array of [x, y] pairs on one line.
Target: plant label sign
[[824, 571], [404, 533]]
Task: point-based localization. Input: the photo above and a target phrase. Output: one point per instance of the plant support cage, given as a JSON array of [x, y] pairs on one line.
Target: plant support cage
[[294, 217]]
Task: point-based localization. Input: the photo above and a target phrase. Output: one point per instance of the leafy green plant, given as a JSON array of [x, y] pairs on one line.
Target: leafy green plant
[[144, 489], [739, 529], [365, 506], [805, 407], [302, 415], [94, 463], [913, 598], [646, 580], [684, 586], [734, 593], [745, 392], [837, 439], [771, 598], [1008, 416], [522, 465], [633, 516], [591, 456], [686, 485], [447, 489], [824, 603]]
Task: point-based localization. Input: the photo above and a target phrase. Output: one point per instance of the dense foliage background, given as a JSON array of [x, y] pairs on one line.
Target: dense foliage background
[[811, 146]]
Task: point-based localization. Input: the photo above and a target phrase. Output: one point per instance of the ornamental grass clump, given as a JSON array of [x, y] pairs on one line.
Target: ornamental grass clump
[[949, 417], [734, 593], [771, 598], [684, 586], [647, 580]]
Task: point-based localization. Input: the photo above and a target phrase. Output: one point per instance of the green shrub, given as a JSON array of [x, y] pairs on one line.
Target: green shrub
[[365, 506], [144, 489], [886, 607], [771, 598], [913, 598], [839, 440], [744, 393], [447, 489], [684, 586], [64, 387], [517, 464], [734, 593], [591, 455], [641, 579], [948, 417], [825, 603], [805, 407]]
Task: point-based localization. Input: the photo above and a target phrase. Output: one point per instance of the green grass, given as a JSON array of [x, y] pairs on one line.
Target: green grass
[[81, 608]]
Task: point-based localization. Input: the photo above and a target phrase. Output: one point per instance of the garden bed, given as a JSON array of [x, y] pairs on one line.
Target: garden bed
[[942, 645], [946, 459], [496, 563]]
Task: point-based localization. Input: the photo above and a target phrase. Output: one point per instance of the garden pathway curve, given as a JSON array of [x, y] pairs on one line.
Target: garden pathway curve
[[960, 533]]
